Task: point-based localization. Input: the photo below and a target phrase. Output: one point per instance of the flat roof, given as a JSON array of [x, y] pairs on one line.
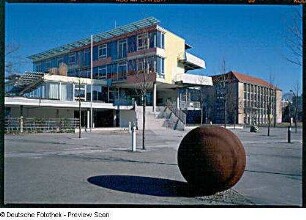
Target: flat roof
[[96, 38]]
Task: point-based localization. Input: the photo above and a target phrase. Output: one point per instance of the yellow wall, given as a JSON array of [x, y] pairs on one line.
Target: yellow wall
[[174, 47]]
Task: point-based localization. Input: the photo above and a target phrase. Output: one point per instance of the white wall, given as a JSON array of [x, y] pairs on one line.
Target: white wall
[[127, 116]]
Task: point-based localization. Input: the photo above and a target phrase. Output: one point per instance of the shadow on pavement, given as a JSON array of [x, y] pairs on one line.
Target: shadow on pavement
[[146, 185]]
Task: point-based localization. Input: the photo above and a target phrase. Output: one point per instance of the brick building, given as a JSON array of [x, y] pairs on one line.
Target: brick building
[[248, 100]]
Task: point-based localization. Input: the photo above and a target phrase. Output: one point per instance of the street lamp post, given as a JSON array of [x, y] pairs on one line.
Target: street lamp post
[[296, 109]]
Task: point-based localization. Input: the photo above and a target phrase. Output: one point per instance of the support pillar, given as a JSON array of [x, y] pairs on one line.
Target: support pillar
[[21, 119], [178, 98], [60, 91], [88, 119], [154, 96], [186, 98]]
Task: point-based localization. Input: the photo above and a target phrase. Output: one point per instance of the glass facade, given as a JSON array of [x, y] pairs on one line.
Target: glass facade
[[79, 62]]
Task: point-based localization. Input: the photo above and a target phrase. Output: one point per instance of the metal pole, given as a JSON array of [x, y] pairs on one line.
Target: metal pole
[[91, 76], [133, 138], [289, 134]]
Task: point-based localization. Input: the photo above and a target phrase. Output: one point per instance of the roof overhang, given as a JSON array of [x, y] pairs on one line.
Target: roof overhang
[[18, 101], [193, 80], [138, 25]]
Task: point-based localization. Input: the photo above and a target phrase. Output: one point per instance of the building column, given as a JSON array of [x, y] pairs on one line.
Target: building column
[[88, 119], [178, 98], [60, 91], [21, 119], [154, 96], [186, 96]]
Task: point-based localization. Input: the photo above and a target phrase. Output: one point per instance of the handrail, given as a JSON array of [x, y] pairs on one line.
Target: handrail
[[177, 112]]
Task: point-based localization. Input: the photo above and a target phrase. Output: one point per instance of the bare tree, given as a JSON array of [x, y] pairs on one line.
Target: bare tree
[[296, 99], [144, 77], [224, 91], [13, 59], [203, 98], [233, 103], [271, 101], [294, 40], [210, 101]]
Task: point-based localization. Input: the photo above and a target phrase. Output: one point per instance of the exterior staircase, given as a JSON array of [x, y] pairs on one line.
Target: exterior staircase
[[164, 117]]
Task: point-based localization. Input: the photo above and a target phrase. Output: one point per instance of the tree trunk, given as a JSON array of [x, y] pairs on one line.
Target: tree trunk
[[269, 124]]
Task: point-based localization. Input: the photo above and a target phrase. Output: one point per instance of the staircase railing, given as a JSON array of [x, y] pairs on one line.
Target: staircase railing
[[177, 112]]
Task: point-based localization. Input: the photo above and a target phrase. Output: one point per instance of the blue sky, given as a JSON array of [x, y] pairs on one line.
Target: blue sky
[[251, 39]]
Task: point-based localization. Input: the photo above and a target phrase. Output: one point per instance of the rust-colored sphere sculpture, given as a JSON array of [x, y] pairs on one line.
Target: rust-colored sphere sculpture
[[211, 159]]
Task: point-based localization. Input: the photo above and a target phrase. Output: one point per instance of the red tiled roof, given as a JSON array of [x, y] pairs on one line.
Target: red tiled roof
[[250, 79], [253, 80]]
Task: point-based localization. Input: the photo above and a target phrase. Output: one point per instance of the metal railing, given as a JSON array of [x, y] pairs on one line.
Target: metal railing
[[35, 125], [177, 112]]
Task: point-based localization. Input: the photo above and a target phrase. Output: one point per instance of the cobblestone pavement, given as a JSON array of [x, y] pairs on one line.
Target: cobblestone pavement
[[100, 168]]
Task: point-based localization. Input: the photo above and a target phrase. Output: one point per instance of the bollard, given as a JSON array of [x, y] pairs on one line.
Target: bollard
[[289, 134], [130, 127], [133, 139], [21, 124]]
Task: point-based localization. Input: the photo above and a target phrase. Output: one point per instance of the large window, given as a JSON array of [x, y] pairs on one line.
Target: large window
[[122, 69], [142, 41], [72, 58], [102, 73], [162, 40], [102, 51], [122, 48], [87, 57], [53, 91], [160, 66], [79, 92], [140, 65], [153, 39]]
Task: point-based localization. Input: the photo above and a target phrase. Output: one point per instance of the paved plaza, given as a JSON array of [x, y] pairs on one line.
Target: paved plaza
[[100, 168]]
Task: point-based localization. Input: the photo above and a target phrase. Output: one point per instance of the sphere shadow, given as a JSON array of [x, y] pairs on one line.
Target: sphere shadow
[[147, 186]]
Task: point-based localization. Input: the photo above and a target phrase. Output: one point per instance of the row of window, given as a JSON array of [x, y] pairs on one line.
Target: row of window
[[115, 50], [74, 92], [153, 64], [250, 88], [66, 92]]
